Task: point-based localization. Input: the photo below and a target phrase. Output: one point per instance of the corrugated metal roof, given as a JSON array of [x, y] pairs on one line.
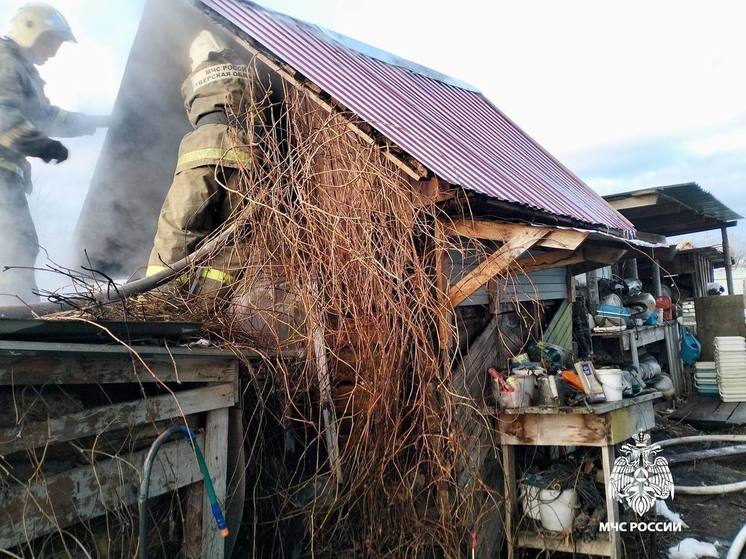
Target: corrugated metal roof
[[691, 195], [455, 131]]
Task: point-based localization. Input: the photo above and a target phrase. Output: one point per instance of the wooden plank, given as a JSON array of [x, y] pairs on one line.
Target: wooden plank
[[722, 413], [630, 202], [494, 264], [510, 484], [193, 499], [698, 409], [74, 369], [535, 263], [216, 457], [14, 348], [559, 542], [65, 499], [442, 273], [597, 409], [568, 239], [738, 417], [612, 506], [553, 430], [117, 416], [576, 429], [565, 239], [487, 230]]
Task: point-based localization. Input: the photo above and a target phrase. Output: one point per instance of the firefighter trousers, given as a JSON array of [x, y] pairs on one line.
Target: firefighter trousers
[[19, 246], [195, 206]]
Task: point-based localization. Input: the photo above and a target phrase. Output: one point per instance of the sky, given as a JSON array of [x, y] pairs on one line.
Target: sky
[[626, 94]]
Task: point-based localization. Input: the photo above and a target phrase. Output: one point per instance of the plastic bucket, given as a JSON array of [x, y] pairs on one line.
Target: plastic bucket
[[529, 498], [611, 380], [557, 509], [523, 391]]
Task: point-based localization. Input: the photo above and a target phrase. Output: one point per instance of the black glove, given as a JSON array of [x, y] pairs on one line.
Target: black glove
[[51, 150]]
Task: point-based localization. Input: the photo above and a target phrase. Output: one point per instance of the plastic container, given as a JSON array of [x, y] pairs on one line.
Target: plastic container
[[613, 385], [523, 391], [691, 349], [557, 509]]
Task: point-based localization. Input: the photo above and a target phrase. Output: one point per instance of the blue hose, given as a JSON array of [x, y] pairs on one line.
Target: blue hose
[[142, 497]]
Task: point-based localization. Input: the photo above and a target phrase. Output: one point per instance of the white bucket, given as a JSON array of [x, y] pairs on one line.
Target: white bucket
[[611, 380], [523, 391], [557, 509], [529, 498]]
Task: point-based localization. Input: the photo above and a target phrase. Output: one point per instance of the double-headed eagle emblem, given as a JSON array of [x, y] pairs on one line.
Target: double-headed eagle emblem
[[639, 477]]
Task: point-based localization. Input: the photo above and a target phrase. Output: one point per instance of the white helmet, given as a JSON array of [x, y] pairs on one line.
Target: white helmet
[[202, 46], [33, 20]]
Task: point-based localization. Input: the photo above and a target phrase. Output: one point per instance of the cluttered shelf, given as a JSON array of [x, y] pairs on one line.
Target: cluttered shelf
[[643, 335], [595, 409]]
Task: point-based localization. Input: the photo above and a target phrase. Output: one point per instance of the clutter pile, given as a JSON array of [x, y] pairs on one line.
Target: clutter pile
[[624, 305], [564, 497]]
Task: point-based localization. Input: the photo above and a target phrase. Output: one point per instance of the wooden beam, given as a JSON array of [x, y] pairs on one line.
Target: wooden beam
[[568, 239], [536, 262], [415, 170], [634, 201], [117, 416], [77, 369], [216, 457], [65, 499], [488, 230], [565, 239], [497, 262]]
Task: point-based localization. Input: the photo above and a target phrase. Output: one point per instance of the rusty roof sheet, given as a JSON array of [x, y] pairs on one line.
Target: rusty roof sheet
[[448, 126]]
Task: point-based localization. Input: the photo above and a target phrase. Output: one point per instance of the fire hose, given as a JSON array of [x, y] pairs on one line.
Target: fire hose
[[706, 489], [734, 552]]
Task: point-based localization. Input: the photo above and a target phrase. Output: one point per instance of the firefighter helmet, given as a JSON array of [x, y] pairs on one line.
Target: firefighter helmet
[[202, 46], [33, 20]]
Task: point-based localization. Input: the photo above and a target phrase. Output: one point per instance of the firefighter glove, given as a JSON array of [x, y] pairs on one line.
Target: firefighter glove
[[51, 150]]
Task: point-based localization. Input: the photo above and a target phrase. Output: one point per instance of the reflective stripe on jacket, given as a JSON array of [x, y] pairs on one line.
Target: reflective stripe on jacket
[[212, 144]]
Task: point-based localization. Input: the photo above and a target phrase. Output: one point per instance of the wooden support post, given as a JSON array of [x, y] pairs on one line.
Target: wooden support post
[[612, 507], [328, 412], [193, 498], [657, 289], [511, 489], [632, 272], [633, 348], [442, 273], [591, 281], [216, 457], [728, 265]]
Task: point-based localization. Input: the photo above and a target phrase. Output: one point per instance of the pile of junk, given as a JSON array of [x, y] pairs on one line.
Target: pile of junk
[[595, 370], [549, 376], [563, 493], [625, 305]]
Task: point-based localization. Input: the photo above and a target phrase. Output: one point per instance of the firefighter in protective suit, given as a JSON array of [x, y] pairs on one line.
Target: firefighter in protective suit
[[27, 119], [198, 201]]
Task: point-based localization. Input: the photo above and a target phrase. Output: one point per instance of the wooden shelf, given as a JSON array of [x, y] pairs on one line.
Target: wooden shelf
[[642, 335], [590, 409], [563, 543]]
